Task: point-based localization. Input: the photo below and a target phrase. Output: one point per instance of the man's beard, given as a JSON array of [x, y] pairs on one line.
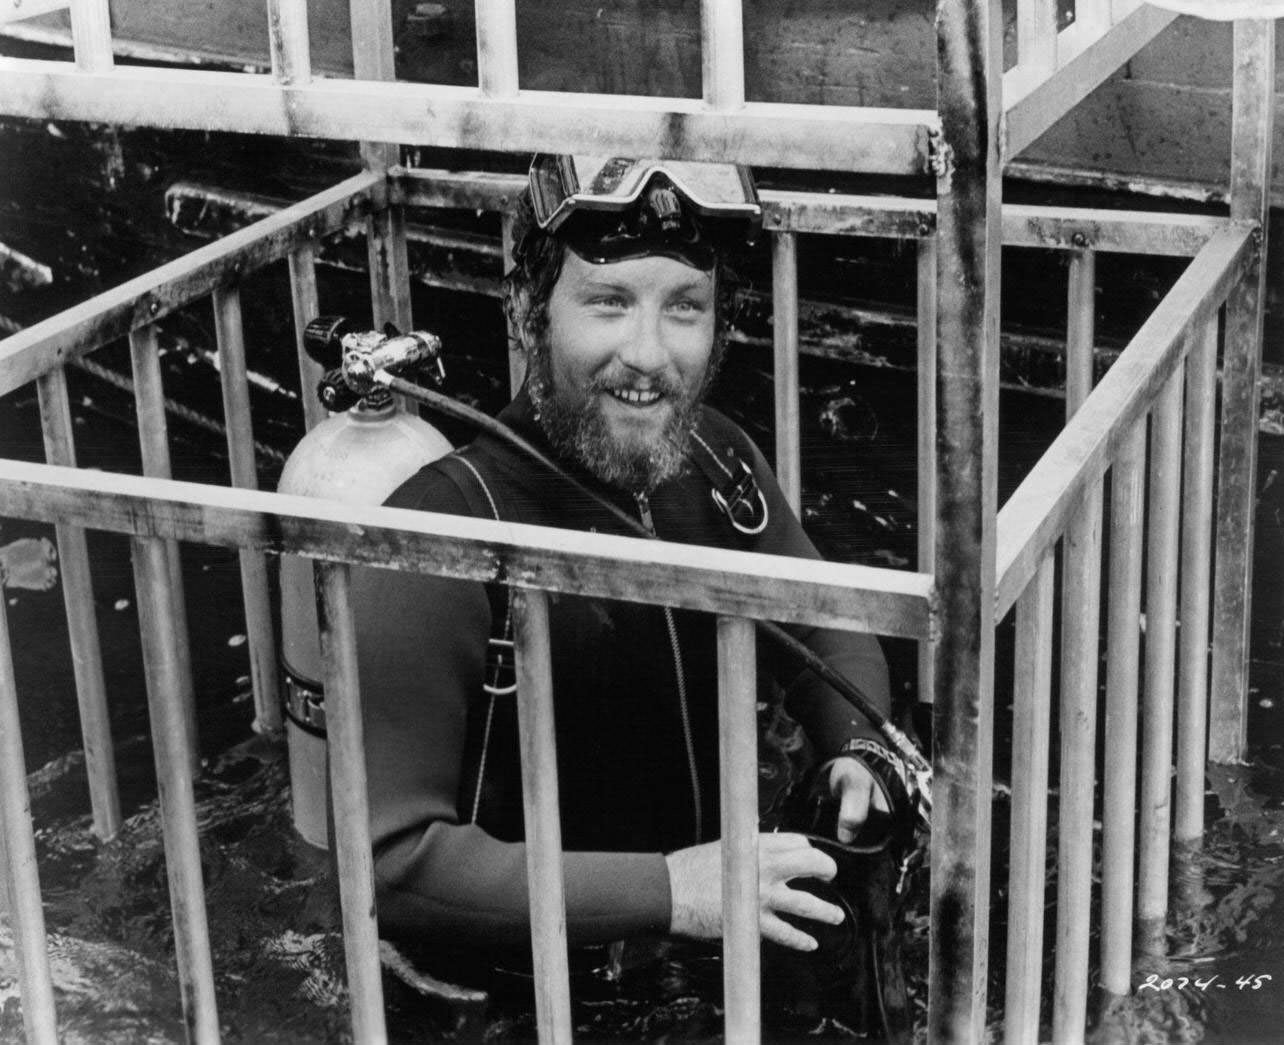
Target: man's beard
[[574, 423]]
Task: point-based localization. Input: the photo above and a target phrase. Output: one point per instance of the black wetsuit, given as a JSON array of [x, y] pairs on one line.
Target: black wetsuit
[[626, 758]]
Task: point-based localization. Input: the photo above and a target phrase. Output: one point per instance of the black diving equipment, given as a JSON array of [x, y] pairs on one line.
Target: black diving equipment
[[917, 771], [608, 208], [351, 357]]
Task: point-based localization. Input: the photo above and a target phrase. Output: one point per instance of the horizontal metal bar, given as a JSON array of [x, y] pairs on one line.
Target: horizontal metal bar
[[895, 217], [1036, 514], [822, 137], [1032, 104], [30, 353], [746, 584]]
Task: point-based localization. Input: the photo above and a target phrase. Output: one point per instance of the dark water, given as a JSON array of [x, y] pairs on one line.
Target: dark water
[[89, 205]]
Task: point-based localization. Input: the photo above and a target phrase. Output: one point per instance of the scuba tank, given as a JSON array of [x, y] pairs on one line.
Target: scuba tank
[[359, 456]]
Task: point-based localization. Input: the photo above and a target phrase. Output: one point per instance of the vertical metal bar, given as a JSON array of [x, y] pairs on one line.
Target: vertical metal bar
[[1037, 36], [18, 863], [82, 624], [288, 41], [1031, 730], [497, 47], [722, 38], [969, 198], [1161, 624], [350, 799], [535, 723], [91, 35], [174, 771], [738, 754], [1080, 627], [153, 437], [784, 336], [516, 355], [260, 637], [926, 380], [1123, 658], [1196, 569], [1251, 139], [303, 298], [1092, 15]]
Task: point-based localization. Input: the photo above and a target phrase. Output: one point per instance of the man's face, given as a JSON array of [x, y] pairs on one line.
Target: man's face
[[624, 364]]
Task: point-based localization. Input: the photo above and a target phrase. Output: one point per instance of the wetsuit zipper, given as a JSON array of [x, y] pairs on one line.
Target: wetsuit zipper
[[644, 511]]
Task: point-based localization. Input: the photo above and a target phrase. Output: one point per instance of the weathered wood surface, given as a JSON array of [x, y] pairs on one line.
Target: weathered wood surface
[[883, 601]]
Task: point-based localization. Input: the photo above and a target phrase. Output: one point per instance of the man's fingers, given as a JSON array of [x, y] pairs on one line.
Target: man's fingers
[[779, 931], [796, 859], [803, 904], [854, 810]]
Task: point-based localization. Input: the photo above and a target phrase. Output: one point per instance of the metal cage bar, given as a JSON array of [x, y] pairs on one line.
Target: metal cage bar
[[1123, 661], [353, 850], [303, 302], [925, 434], [288, 41], [1027, 865], [1037, 36], [82, 623], [1196, 571], [784, 337], [175, 768], [497, 47], [738, 773], [535, 723], [91, 35], [722, 53], [260, 635], [1164, 517]]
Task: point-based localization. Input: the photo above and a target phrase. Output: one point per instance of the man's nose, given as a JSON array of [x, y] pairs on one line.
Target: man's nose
[[645, 350]]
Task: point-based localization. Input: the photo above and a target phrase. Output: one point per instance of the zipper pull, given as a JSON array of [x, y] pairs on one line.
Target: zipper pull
[[644, 510]]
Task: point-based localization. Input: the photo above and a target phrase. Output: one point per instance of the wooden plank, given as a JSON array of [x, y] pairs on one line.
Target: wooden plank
[[1254, 103], [1035, 515], [255, 590], [969, 236], [1196, 571], [888, 141], [145, 299], [1027, 864], [1077, 722], [349, 796], [860, 598], [497, 47], [722, 54], [26, 913], [542, 815], [1123, 658], [82, 622], [784, 335], [1164, 518], [288, 41], [1032, 106], [91, 35], [925, 432], [303, 301], [738, 782], [175, 768], [894, 217]]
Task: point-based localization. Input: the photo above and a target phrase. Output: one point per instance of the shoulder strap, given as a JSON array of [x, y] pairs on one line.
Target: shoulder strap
[[732, 485]]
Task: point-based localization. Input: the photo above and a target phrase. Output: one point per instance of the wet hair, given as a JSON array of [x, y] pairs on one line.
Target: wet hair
[[538, 256]]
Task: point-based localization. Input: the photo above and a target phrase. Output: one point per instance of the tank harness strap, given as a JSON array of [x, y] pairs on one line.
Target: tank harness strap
[[733, 487], [498, 647]]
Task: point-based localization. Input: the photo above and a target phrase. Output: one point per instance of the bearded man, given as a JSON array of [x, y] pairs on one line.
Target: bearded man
[[620, 309]]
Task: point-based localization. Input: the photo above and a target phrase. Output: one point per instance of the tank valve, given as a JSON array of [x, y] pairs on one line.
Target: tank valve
[[352, 357]]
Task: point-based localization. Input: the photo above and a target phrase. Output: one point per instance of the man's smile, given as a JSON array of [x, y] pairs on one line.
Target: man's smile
[[636, 396]]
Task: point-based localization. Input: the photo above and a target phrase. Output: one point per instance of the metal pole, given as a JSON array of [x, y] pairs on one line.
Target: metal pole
[[1196, 569], [261, 638], [82, 624], [784, 336], [497, 47], [1123, 659], [1037, 37], [535, 723], [738, 772], [1161, 623], [153, 437], [288, 41], [349, 796], [1080, 630], [926, 381], [969, 195], [26, 914], [303, 299], [1251, 141], [722, 38], [1031, 729], [91, 35], [174, 772]]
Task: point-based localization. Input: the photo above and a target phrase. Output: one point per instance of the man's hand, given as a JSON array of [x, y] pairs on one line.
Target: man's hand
[[695, 882], [851, 782]]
